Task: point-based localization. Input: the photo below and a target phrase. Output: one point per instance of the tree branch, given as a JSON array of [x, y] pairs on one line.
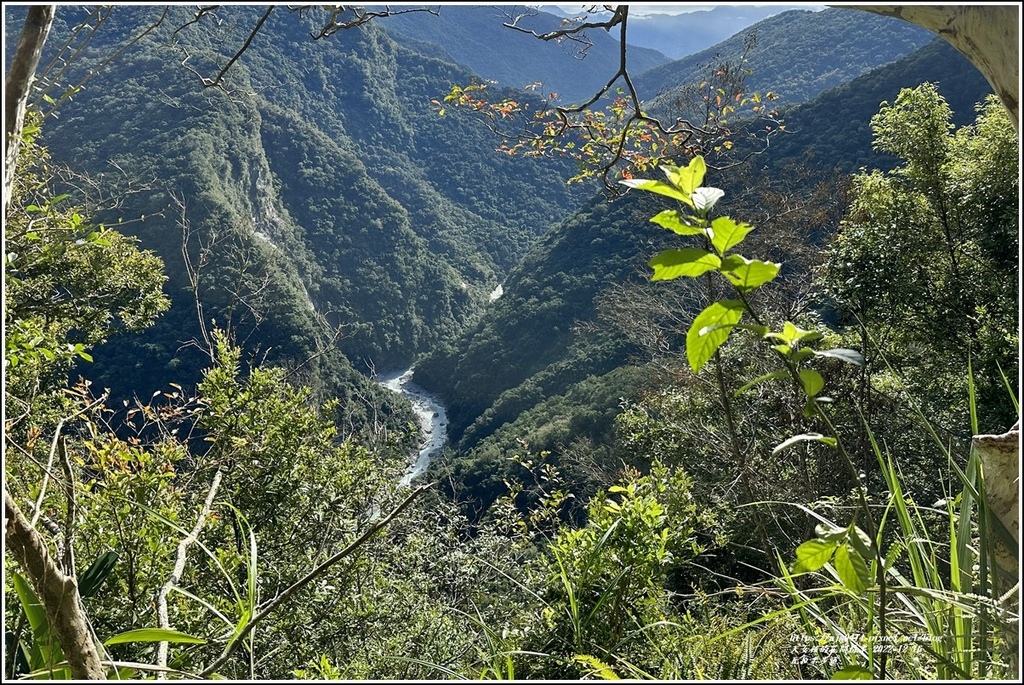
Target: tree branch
[[53, 452], [308, 578], [181, 557]]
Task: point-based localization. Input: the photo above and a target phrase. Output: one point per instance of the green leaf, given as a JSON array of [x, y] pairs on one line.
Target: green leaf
[[153, 635], [852, 673], [830, 533], [805, 437], [687, 178], [90, 581], [45, 651], [852, 570], [843, 354], [726, 233], [812, 555], [812, 381], [751, 273], [689, 261], [710, 329], [599, 668], [705, 198], [801, 354], [657, 187], [861, 542], [781, 373], [671, 220]]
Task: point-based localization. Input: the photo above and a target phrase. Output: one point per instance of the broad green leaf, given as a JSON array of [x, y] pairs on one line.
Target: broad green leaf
[[805, 437], [689, 261], [705, 198], [726, 233], [153, 635], [671, 220], [751, 273], [657, 187], [90, 581], [812, 381], [801, 354], [710, 329], [781, 373], [852, 673], [861, 542], [830, 533], [843, 354], [812, 555], [852, 570], [687, 178], [30, 604], [45, 652]]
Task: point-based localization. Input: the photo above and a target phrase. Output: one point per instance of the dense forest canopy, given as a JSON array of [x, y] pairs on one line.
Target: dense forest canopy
[[714, 425]]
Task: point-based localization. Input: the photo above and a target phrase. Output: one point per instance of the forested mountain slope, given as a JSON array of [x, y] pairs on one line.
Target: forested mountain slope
[[507, 378], [796, 54], [329, 191], [833, 129], [681, 35], [475, 37]]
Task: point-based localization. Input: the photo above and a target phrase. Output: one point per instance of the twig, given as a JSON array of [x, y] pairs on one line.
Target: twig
[[207, 83], [69, 521], [53, 452], [309, 577]]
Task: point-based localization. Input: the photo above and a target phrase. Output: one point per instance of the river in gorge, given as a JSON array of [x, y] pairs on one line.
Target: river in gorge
[[432, 416]]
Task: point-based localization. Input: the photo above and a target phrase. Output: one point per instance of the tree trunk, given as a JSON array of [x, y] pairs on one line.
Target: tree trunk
[[19, 82], [57, 592]]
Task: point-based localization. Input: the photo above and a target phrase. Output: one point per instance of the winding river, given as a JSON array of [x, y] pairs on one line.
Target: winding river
[[432, 416]]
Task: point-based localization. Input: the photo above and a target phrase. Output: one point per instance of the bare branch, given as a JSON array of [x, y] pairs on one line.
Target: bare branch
[[179, 567], [308, 578], [53, 452], [207, 83], [618, 17], [94, 70], [360, 16], [69, 519], [200, 13]]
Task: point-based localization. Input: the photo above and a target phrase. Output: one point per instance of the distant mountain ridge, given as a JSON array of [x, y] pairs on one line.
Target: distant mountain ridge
[[474, 36], [797, 54], [679, 35], [321, 168], [815, 133]]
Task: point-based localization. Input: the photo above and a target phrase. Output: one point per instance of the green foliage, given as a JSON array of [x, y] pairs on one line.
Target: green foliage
[[604, 586], [936, 565], [833, 129], [68, 285], [946, 211]]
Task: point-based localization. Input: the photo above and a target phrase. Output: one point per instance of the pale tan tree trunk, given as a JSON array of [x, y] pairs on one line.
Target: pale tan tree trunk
[[987, 35], [57, 592], [19, 83]]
